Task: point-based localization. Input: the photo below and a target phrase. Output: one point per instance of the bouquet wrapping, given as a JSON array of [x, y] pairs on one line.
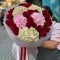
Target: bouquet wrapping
[[28, 25]]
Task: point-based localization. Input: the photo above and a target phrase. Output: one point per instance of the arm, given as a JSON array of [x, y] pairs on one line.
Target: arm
[[51, 44], [54, 40]]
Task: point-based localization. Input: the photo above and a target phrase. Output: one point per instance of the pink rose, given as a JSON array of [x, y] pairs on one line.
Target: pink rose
[[20, 20]]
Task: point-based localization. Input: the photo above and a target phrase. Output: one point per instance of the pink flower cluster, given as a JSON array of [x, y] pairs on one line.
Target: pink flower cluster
[[39, 19], [20, 20]]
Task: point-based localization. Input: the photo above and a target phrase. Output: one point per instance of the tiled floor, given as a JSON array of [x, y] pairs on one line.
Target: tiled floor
[[5, 45]]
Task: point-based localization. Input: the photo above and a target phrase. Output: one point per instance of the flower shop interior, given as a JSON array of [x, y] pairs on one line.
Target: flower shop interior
[[5, 41]]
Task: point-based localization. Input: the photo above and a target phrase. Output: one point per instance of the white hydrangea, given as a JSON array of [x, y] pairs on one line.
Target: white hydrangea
[[35, 7], [28, 34], [19, 10]]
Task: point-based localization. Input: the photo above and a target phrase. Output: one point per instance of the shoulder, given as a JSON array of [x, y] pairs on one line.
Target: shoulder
[[55, 35], [56, 27], [57, 24]]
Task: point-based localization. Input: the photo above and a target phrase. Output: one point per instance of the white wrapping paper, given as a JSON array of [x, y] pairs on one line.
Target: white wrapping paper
[[22, 43]]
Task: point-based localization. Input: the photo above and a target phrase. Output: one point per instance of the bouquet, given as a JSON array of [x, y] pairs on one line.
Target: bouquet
[[28, 25]]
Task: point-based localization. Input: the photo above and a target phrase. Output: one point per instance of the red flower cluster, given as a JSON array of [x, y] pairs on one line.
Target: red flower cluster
[[46, 14], [42, 30], [25, 4], [47, 18], [29, 12], [9, 16], [10, 22]]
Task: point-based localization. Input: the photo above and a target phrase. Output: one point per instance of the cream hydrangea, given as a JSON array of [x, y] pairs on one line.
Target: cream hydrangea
[[28, 34], [19, 10], [35, 7]]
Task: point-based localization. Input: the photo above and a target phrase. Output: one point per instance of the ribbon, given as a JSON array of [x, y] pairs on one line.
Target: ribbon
[[23, 53]]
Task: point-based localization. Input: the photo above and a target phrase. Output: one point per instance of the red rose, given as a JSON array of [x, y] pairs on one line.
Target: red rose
[[16, 32], [46, 14], [47, 19], [29, 19], [11, 10], [42, 32], [26, 14], [47, 29], [30, 11], [35, 11], [48, 23], [39, 27], [13, 26], [25, 4], [9, 22], [28, 25], [29, 22], [9, 16], [28, 5], [34, 25]]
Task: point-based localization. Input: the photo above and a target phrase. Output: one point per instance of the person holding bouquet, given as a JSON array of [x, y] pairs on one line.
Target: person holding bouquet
[[2, 16], [29, 26], [49, 45], [50, 49]]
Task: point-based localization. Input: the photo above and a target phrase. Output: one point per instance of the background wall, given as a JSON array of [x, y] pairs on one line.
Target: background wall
[[54, 5]]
